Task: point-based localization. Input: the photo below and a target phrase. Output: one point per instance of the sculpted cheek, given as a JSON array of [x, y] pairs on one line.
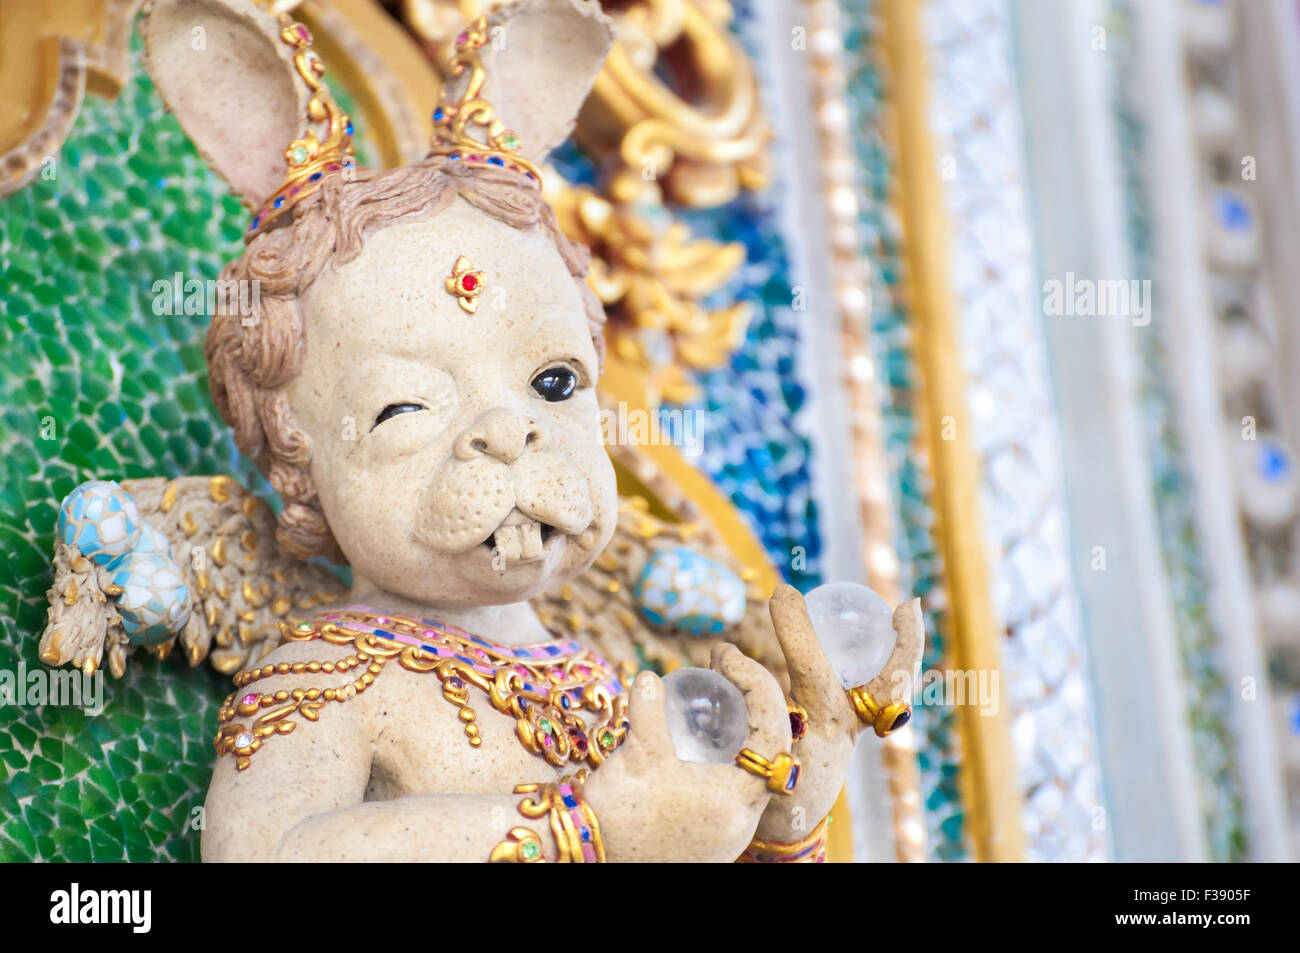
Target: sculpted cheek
[[464, 504], [604, 498], [550, 489]]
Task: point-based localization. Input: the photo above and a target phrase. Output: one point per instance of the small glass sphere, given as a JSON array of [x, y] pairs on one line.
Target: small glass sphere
[[707, 718], [855, 627]]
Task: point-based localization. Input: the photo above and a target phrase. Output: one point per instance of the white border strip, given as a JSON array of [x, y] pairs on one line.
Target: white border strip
[[788, 80], [1177, 200]]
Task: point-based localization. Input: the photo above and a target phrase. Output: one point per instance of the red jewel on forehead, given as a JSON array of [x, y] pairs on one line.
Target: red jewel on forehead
[[465, 284]]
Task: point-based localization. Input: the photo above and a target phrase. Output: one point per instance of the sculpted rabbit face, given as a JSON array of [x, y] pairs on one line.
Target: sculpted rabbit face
[[457, 456], [452, 458]]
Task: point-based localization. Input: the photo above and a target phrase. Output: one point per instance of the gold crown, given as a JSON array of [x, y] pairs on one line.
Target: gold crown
[[452, 118], [309, 159]]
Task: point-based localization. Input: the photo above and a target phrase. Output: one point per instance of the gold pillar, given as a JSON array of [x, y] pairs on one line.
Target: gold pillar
[[990, 786]]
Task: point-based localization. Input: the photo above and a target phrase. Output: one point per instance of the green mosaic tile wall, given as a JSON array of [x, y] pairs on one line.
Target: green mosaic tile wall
[[94, 384]]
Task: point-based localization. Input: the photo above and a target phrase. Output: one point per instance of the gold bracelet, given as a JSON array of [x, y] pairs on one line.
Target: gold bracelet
[[810, 850], [572, 821]]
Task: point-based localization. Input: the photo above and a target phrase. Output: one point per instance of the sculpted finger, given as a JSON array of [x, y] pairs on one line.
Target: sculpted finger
[[813, 681], [648, 718], [897, 680], [769, 721], [910, 646]]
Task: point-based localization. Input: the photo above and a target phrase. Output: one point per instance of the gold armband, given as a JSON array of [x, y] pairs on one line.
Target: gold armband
[[573, 825]]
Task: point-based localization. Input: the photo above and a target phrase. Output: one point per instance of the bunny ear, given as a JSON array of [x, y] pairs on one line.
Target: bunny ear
[[222, 68], [541, 59]]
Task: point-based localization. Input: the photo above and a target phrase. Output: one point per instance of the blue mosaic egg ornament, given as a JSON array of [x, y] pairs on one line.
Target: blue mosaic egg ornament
[[154, 604], [683, 590], [152, 540], [100, 520]]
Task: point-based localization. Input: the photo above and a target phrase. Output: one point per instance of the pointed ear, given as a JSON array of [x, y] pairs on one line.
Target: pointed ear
[[222, 68], [541, 59]]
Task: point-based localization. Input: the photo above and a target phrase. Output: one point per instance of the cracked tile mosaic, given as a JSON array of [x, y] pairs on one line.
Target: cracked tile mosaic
[[95, 384]]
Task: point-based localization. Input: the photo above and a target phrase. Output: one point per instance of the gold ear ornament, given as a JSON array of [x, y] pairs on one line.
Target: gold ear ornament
[[453, 117], [309, 159]]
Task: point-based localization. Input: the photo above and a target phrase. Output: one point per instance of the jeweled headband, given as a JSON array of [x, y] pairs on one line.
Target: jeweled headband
[[310, 160]]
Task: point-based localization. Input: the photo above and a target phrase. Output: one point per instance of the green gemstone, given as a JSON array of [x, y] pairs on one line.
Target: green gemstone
[[530, 851], [607, 739], [304, 626], [299, 155], [510, 141], [545, 726]]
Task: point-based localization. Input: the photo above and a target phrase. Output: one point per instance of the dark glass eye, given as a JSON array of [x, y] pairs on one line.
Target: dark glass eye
[[556, 383], [392, 410]]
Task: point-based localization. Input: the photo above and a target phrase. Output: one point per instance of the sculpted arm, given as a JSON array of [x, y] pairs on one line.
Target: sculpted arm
[[251, 823], [302, 795]]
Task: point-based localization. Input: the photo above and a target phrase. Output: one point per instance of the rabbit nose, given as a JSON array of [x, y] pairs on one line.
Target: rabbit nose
[[502, 434]]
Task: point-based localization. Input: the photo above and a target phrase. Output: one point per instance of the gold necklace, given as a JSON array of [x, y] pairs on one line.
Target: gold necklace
[[544, 687]]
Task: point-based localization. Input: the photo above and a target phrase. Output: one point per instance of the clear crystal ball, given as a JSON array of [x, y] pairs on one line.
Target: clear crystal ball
[[855, 627], [707, 718]]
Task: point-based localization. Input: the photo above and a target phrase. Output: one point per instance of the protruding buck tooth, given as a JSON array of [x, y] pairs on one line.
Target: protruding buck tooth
[[508, 542], [531, 536]]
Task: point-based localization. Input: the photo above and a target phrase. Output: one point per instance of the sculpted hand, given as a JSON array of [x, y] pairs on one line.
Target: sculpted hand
[[825, 750], [653, 807]]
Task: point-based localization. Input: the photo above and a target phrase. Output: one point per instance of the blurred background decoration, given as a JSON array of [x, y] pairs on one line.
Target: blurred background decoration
[[985, 301]]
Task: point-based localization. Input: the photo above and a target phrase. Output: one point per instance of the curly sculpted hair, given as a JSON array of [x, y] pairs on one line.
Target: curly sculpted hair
[[253, 357]]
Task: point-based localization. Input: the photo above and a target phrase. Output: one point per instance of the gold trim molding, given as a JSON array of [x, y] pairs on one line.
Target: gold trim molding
[[990, 785], [51, 55]]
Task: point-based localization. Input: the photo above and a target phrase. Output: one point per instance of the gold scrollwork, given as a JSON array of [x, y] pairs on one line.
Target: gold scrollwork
[[651, 274], [521, 846], [703, 136], [703, 132]]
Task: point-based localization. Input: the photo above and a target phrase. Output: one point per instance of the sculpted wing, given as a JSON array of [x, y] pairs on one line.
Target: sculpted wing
[[239, 585]]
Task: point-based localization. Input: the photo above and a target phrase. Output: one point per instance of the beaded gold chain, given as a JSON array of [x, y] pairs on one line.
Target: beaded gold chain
[[543, 687]]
